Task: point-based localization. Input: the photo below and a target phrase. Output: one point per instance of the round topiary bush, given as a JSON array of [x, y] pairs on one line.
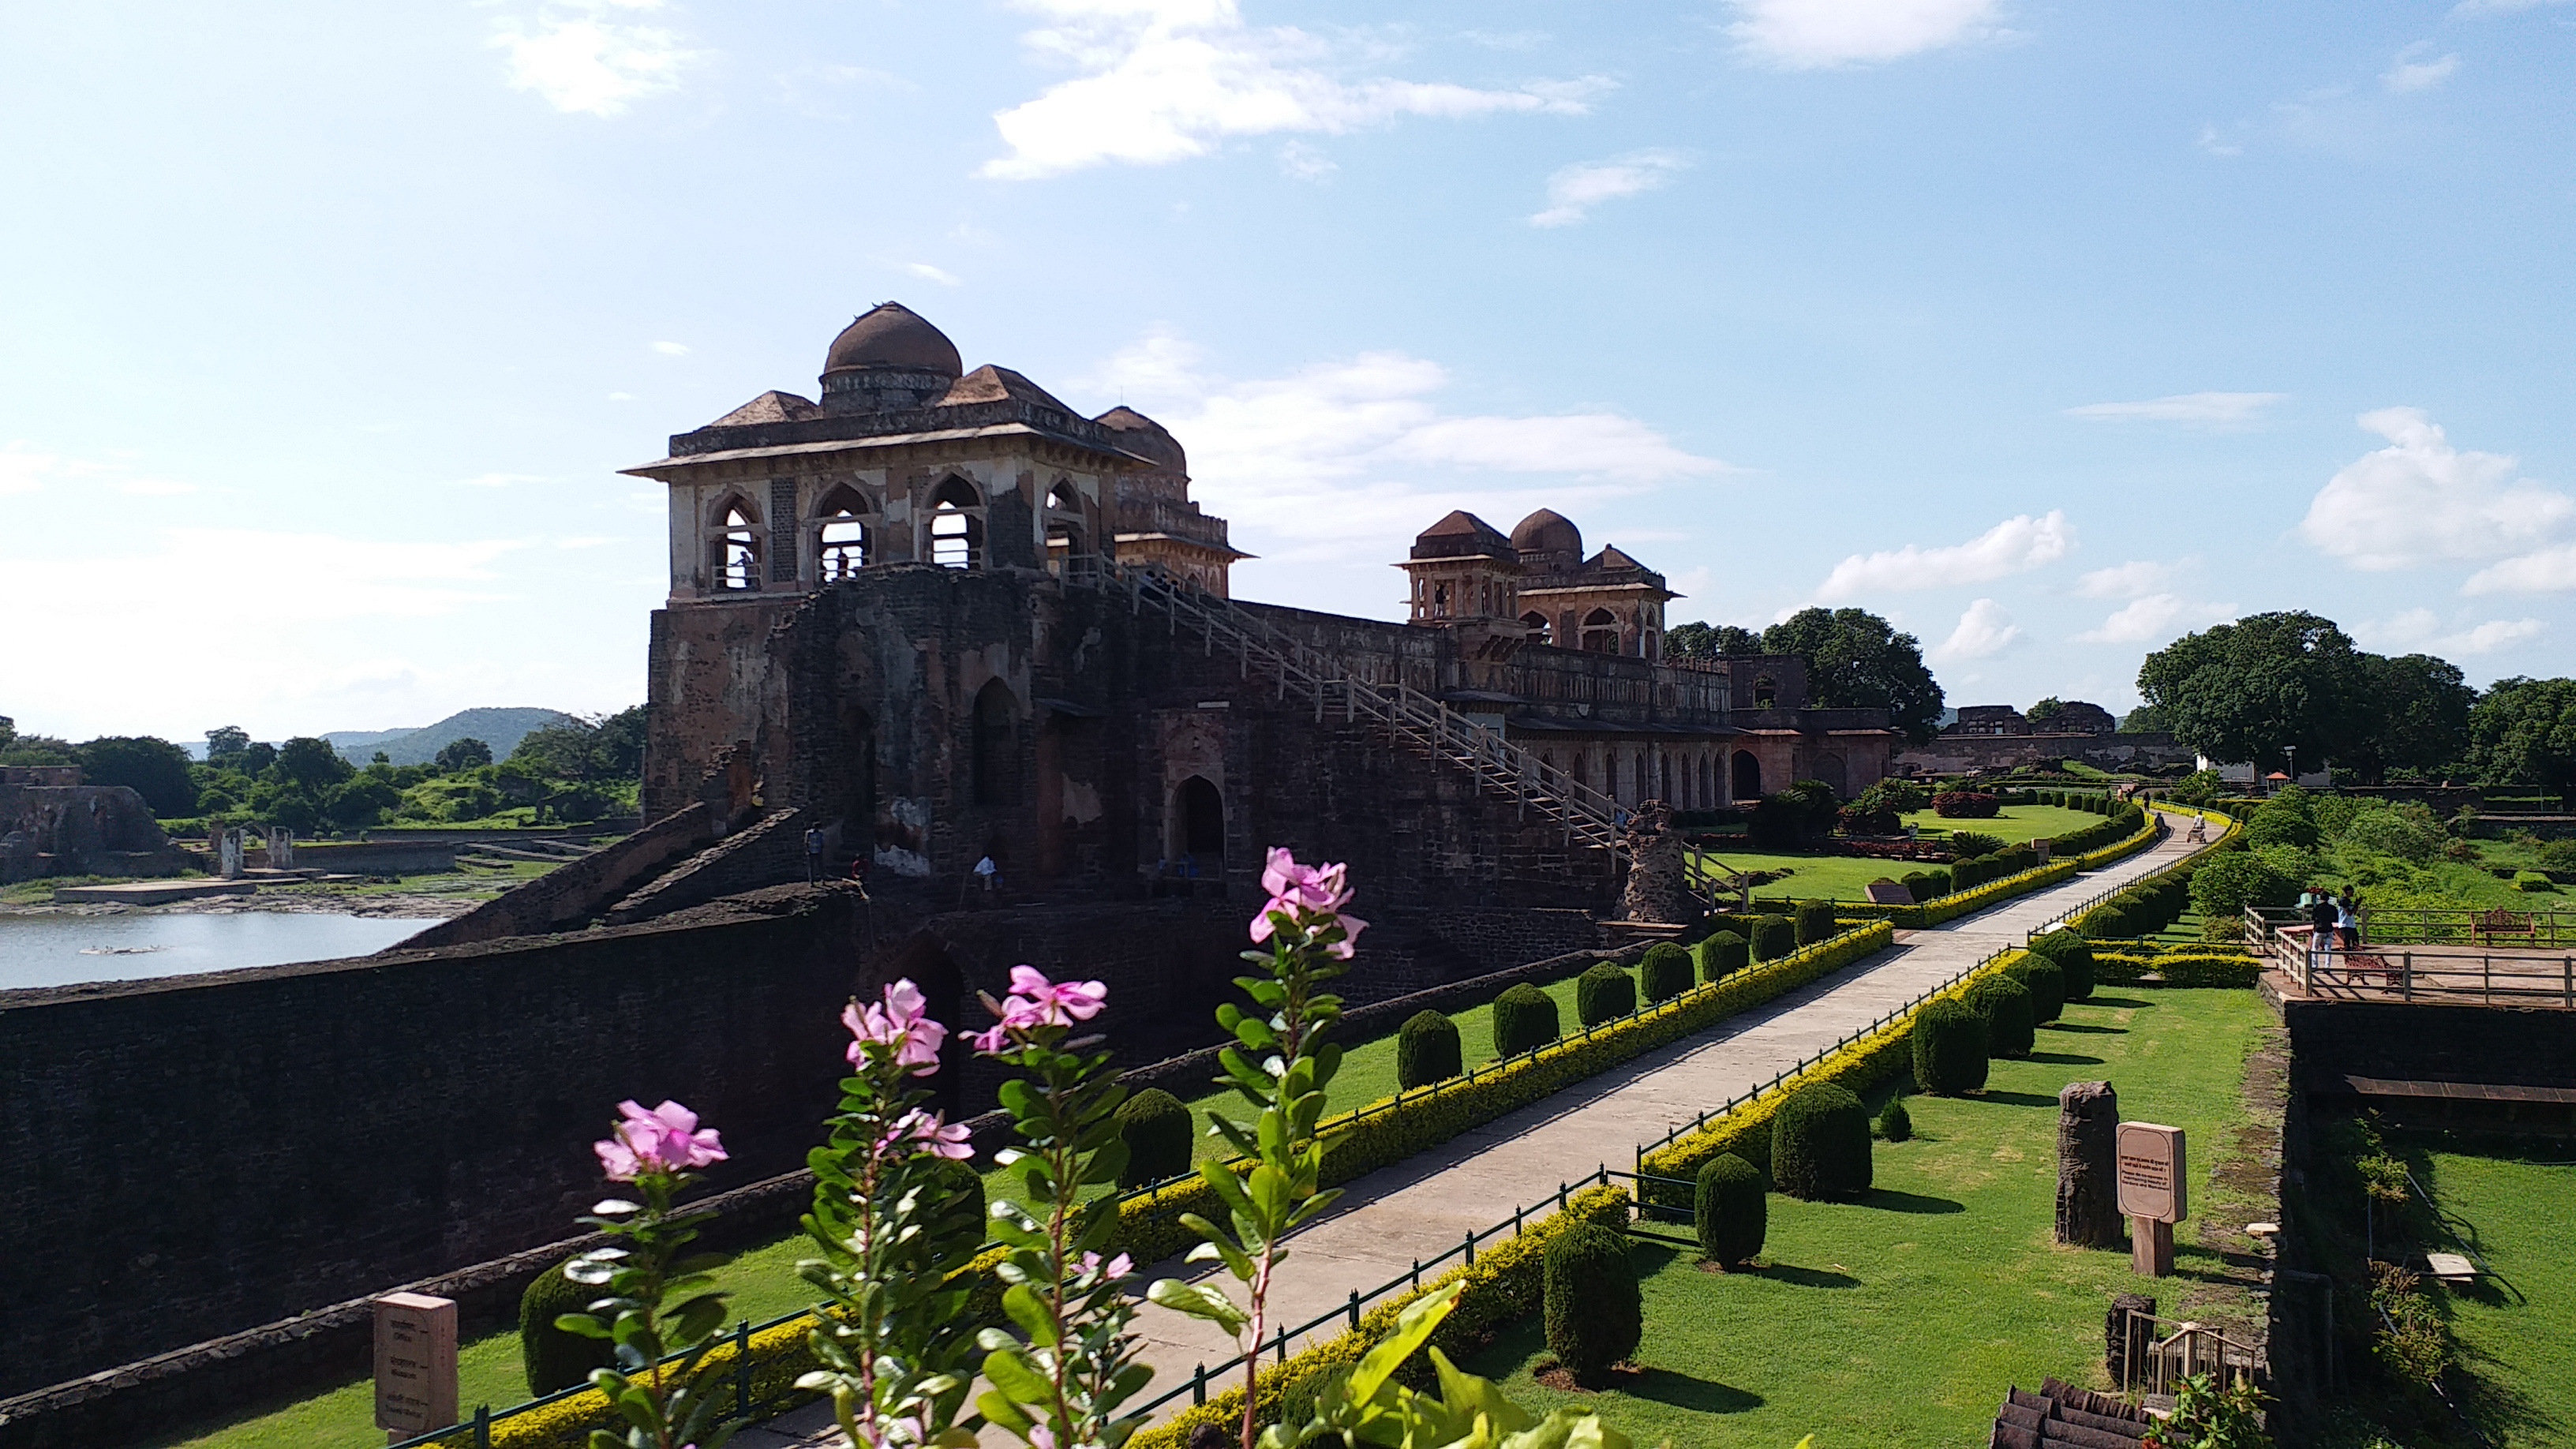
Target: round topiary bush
[[1426, 1050], [555, 1359], [2074, 958], [1773, 937], [1730, 1209], [1155, 1125], [2005, 1004], [2046, 982], [1524, 1018], [1604, 994], [1894, 1122], [1595, 1315], [1815, 921], [1665, 972], [1722, 955], [1949, 1043], [1820, 1145]]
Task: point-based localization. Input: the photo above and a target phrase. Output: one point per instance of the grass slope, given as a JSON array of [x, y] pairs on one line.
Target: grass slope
[[2520, 1337], [1900, 1321], [1847, 877]]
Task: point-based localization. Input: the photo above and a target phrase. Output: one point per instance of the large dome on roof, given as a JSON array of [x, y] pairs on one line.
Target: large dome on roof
[[893, 335], [1550, 538], [1145, 437]]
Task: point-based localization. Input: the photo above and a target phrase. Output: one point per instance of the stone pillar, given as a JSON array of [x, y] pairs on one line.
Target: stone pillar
[[228, 854], [2088, 1191], [1658, 889], [281, 848], [2120, 1340]]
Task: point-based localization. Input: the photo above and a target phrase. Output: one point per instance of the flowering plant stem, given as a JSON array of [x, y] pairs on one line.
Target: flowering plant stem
[[1061, 1388]]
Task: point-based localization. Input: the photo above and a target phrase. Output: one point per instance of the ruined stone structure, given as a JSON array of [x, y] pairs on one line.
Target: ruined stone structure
[[911, 608], [52, 824]]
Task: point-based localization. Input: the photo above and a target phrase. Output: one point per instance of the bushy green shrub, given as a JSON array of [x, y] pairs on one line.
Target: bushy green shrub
[[1926, 884], [1604, 994], [1156, 1128], [2005, 1004], [1894, 1122], [1773, 937], [1820, 1145], [1524, 1018], [2281, 824], [1815, 921], [1427, 1050], [1965, 805], [1969, 844], [1730, 1209], [1722, 955], [1949, 1046], [2227, 883], [555, 1359], [2045, 981], [2074, 958], [1595, 1315], [2534, 881], [1665, 972]]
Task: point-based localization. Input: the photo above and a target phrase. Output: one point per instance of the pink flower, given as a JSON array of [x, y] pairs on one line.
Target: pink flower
[[1054, 1003], [1118, 1267], [989, 1042], [902, 1023], [937, 1136], [664, 1139], [1308, 895], [1041, 1437]]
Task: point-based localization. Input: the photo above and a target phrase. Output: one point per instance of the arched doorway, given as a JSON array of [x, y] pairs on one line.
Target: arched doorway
[[1198, 827], [997, 745], [1829, 769], [1601, 632], [1748, 777]]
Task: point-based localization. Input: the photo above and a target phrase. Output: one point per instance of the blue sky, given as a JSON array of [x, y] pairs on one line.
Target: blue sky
[[2050, 331]]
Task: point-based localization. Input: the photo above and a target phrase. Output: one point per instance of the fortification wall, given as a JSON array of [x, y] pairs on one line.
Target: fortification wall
[[578, 890]]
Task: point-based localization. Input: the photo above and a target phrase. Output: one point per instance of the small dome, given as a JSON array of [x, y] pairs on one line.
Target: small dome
[[893, 335], [1550, 538], [1145, 437]]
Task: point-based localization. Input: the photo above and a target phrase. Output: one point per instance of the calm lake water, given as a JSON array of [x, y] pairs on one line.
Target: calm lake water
[[62, 950]]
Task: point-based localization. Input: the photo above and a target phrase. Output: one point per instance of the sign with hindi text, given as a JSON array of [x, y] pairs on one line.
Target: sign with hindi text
[[415, 1363], [2152, 1173]]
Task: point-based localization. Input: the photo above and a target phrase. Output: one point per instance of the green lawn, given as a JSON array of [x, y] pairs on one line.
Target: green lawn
[[1902, 1319], [763, 1279], [1847, 877], [2520, 1335]]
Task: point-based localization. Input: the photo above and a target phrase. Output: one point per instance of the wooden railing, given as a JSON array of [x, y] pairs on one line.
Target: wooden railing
[[2413, 972]]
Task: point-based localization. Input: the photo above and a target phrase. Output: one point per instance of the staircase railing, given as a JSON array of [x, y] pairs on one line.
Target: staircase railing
[[1411, 718]]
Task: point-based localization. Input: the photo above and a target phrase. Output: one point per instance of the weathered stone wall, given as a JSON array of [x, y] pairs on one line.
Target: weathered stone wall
[[1959, 754], [2506, 1046], [572, 893], [77, 829]]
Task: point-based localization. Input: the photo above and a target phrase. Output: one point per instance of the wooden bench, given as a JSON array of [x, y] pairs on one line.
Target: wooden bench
[[2500, 925]]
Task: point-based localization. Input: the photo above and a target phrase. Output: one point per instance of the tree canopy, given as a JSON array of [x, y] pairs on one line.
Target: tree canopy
[[311, 763], [1857, 660], [1707, 641], [2523, 731], [2044, 711], [2419, 711], [463, 754], [153, 768], [2260, 687]]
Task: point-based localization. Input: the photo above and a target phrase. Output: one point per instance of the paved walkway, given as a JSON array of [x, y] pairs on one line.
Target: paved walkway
[[1426, 1204]]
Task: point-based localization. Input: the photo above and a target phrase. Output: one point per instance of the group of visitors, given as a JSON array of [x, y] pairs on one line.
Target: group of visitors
[[2336, 920]]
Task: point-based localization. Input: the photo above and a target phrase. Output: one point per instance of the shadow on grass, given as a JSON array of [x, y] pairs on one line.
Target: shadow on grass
[[2084, 1026], [1914, 1202], [2129, 1001], [1806, 1277], [2064, 1059], [1698, 1395], [2022, 1099]]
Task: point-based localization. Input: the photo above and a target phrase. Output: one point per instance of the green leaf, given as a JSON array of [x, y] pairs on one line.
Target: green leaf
[[1029, 1311], [1013, 1375], [998, 1408], [1413, 1328], [1198, 1300]]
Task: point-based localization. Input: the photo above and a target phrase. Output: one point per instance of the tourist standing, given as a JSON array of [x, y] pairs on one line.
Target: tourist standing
[[813, 854]]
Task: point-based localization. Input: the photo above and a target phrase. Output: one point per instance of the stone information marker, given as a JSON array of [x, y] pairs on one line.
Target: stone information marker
[[415, 1364], [2152, 1193], [1891, 893], [2088, 1198]]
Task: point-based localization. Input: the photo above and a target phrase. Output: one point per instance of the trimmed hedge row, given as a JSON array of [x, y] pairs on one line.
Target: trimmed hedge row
[[2182, 968], [1881, 1056], [1506, 1283]]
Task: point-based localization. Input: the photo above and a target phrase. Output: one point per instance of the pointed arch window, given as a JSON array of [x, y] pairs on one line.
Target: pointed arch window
[[847, 540], [737, 546], [956, 525], [1601, 632]]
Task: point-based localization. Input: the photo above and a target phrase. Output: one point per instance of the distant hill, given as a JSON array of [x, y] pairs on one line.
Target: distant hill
[[502, 729]]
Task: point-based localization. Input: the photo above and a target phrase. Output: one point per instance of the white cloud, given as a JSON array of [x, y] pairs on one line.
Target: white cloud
[[2467, 9], [672, 349], [1984, 631], [2126, 581], [616, 397], [1357, 451], [582, 59], [1166, 80], [2407, 74], [929, 273], [23, 470], [1302, 162], [2154, 619], [2013, 546], [1574, 190], [1812, 34], [2189, 407], [2549, 570], [2422, 629], [155, 487], [2420, 499]]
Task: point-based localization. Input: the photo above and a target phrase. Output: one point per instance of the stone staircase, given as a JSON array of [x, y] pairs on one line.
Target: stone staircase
[[1398, 713]]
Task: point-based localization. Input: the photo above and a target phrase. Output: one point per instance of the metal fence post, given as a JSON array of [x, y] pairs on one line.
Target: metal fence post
[[1471, 1247], [742, 1368], [1355, 1310], [1198, 1386], [483, 1426]]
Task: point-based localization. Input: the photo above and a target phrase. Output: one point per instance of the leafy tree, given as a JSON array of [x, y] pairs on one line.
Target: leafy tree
[[225, 743], [18, 749], [2201, 787], [1707, 641], [2420, 708], [153, 768], [2047, 709], [559, 751], [2146, 719], [256, 759], [462, 754], [2261, 686], [8, 731], [360, 803], [1857, 660], [311, 763], [2524, 733], [620, 747]]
